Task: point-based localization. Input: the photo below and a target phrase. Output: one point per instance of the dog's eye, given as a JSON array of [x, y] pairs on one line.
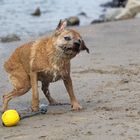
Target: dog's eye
[[67, 38]]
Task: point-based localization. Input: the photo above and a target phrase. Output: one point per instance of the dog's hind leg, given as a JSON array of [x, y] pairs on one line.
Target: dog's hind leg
[[21, 83], [45, 89]]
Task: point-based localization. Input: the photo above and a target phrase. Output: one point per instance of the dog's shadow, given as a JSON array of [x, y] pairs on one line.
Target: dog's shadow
[[64, 107]]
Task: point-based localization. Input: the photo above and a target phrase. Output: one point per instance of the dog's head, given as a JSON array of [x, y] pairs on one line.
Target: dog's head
[[68, 41]]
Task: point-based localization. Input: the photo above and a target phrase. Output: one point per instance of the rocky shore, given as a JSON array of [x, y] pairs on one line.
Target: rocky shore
[[106, 82], [111, 11], [119, 10]]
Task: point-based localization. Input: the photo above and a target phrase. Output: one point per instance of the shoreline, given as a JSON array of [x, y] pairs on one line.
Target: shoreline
[[17, 17], [106, 83]]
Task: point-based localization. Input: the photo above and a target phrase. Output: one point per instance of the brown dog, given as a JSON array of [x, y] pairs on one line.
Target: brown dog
[[46, 60]]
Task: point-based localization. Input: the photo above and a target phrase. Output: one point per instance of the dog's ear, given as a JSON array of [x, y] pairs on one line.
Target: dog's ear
[[62, 25], [83, 46]]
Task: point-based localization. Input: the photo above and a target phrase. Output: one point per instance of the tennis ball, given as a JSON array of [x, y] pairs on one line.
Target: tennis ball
[[10, 118]]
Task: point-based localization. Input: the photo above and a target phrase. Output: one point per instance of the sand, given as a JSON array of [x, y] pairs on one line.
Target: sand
[[106, 83]]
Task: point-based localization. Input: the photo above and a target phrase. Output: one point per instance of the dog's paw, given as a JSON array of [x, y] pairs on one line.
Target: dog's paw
[[76, 106], [35, 109], [53, 102]]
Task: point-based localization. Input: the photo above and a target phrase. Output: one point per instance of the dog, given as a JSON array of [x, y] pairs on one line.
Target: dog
[[46, 60]]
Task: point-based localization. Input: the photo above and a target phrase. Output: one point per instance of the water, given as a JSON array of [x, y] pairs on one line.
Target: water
[[15, 15]]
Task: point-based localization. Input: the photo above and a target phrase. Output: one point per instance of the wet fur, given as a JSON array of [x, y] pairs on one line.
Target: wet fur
[[43, 61]]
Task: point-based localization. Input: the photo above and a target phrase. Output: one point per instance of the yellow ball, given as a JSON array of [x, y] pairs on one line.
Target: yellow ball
[[10, 118]]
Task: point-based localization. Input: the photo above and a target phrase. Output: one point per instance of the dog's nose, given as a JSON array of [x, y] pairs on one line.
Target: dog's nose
[[77, 43], [76, 46]]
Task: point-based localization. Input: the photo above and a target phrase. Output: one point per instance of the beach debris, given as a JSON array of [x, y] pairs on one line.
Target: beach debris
[[9, 38], [82, 14], [73, 21], [37, 12]]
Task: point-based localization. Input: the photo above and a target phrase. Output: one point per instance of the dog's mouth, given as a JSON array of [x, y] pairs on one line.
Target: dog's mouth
[[70, 49]]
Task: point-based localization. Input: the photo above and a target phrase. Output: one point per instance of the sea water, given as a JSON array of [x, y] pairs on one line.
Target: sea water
[[16, 18]]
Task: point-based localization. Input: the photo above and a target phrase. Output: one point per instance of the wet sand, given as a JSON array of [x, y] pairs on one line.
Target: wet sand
[[106, 83]]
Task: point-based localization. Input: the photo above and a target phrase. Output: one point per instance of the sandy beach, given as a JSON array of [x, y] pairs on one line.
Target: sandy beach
[[106, 83]]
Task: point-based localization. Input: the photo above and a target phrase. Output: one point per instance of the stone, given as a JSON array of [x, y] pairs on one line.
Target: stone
[[96, 21], [119, 3], [137, 15], [37, 12], [9, 38], [82, 14], [115, 3], [73, 21], [112, 13], [131, 10]]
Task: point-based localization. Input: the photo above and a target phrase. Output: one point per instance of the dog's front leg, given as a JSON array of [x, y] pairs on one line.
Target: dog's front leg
[[35, 95], [68, 84]]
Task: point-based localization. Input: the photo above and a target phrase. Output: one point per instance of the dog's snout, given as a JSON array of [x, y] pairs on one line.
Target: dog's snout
[[76, 46], [77, 43]]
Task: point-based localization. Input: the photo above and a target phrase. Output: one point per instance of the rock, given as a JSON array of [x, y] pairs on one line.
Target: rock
[[82, 14], [130, 11], [115, 3], [138, 15], [96, 21], [9, 38], [37, 12], [107, 4], [72, 21], [112, 13], [119, 3]]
